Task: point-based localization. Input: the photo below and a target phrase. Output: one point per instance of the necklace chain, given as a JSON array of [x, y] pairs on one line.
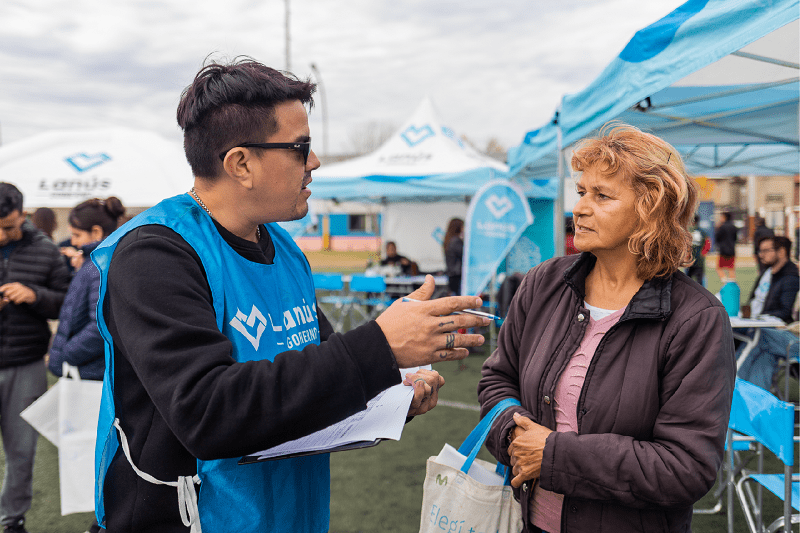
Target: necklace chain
[[207, 210]]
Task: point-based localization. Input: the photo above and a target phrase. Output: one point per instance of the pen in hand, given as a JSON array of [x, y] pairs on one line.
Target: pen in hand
[[497, 319]]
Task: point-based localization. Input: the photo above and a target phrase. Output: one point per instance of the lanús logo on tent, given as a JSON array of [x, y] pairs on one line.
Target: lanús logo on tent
[[498, 214], [414, 135], [77, 187], [83, 162]]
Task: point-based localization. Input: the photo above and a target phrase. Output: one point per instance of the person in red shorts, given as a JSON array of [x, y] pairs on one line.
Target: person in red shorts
[[725, 235]]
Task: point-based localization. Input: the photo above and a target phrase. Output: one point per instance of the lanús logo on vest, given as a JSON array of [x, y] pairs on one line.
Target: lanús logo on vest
[[252, 326]]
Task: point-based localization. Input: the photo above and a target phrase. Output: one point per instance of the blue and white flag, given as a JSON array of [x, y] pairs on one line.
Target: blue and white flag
[[497, 216]]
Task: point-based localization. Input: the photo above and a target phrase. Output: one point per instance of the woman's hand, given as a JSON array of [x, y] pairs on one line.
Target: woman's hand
[[426, 385], [526, 449], [75, 256]]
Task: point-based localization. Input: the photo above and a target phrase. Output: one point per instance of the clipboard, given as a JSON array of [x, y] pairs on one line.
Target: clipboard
[[252, 459]]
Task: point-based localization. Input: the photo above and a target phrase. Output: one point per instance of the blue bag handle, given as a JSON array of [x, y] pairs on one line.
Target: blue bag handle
[[472, 444]]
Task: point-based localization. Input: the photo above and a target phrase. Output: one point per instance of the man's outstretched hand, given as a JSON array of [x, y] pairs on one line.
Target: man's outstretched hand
[[425, 331]]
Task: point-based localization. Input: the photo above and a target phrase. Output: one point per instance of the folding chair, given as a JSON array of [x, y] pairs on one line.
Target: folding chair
[[734, 463], [759, 414], [369, 297], [334, 301]]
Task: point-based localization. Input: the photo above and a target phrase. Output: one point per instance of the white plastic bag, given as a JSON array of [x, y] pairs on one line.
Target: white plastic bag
[[72, 407]]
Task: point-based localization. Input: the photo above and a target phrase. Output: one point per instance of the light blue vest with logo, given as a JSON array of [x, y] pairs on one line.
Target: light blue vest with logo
[[264, 310]]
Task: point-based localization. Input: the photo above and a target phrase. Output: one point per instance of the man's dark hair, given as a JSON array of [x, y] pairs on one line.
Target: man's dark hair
[[779, 242], [230, 104], [10, 199], [727, 215]]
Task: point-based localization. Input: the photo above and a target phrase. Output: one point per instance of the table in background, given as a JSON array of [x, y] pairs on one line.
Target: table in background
[[750, 343], [403, 285]]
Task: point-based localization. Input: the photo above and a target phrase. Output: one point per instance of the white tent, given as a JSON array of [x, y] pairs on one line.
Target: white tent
[[423, 162], [60, 169]]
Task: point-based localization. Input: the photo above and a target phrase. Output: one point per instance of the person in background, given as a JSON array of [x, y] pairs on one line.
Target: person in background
[[44, 219], [453, 246], [774, 294], [701, 244], [215, 347], [407, 267], [760, 233], [725, 237], [623, 365], [77, 340], [775, 291], [569, 238], [34, 282]]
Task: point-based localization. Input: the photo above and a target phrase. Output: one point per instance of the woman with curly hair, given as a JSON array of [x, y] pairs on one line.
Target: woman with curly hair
[[624, 366]]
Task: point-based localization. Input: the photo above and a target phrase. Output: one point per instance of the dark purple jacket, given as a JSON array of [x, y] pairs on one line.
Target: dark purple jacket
[[653, 410]]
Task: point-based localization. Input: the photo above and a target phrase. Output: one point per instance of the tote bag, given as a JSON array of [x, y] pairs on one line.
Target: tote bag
[[462, 493], [72, 407]]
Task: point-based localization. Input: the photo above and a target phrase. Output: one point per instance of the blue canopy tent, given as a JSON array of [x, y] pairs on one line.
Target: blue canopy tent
[[718, 79]]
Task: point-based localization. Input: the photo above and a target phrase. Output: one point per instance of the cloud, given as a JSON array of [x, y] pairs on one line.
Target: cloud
[[494, 70]]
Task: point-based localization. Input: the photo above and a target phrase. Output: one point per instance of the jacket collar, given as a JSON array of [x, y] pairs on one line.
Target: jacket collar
[[29, 231], [788, 268], [653, 300]]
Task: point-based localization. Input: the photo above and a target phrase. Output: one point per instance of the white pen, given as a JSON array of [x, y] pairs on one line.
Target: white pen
[[465, 311]]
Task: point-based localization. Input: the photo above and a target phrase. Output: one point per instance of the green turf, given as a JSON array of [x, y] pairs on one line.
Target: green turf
[[380, 489]]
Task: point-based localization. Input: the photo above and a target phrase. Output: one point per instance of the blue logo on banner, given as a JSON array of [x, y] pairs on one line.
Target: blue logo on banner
[[438, 235], [498, 214], [84, 162], [414, 135]]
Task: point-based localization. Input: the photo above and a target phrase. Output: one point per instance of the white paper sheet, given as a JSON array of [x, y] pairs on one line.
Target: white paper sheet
[[383, 418]]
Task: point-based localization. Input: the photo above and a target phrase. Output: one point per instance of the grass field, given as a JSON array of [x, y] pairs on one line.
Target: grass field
[[378, 489], [373, 490]]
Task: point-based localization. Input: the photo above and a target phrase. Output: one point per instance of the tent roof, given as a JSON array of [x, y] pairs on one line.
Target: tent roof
[[745, 123], [64, 167], [422, 159]]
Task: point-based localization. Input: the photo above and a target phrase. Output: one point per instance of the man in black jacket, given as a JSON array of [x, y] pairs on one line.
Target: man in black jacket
[[33, 282], [776, 290], [774, 294]]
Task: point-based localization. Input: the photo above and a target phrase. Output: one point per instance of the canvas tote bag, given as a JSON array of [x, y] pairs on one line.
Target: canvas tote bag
[[462, 493]]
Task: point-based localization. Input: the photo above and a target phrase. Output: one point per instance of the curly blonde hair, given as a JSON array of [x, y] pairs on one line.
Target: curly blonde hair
[[666, 198]]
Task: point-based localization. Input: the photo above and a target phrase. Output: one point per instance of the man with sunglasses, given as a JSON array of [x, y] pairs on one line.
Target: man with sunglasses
[[215, 347]]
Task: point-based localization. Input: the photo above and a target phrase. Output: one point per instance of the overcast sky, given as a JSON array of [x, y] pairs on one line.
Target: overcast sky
[[493, 69]]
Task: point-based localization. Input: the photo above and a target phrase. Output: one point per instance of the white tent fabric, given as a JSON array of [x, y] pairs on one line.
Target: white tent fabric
[[423, 160], [718, 79], [63, 168]]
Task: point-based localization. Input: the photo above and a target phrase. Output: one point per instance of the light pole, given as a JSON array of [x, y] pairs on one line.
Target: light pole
[[288, 39], [324, 110]]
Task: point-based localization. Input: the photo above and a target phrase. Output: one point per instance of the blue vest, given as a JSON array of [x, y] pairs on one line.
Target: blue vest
[[264, 310]]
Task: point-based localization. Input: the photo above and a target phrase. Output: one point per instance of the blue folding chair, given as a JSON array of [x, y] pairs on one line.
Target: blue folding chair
[[334, 301], [761, 415], [369, 298]]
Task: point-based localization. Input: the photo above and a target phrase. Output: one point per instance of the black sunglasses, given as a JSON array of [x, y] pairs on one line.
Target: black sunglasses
[[301, 148]]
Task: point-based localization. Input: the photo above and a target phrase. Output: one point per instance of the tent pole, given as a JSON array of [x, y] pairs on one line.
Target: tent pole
[[558, 211]]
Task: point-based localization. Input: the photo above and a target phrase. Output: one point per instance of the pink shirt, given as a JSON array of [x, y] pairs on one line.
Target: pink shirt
[[545, 506]]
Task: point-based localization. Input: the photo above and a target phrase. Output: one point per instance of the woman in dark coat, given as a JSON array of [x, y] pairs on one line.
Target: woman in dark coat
[[77, 340], [453, 253], [623, 365]]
